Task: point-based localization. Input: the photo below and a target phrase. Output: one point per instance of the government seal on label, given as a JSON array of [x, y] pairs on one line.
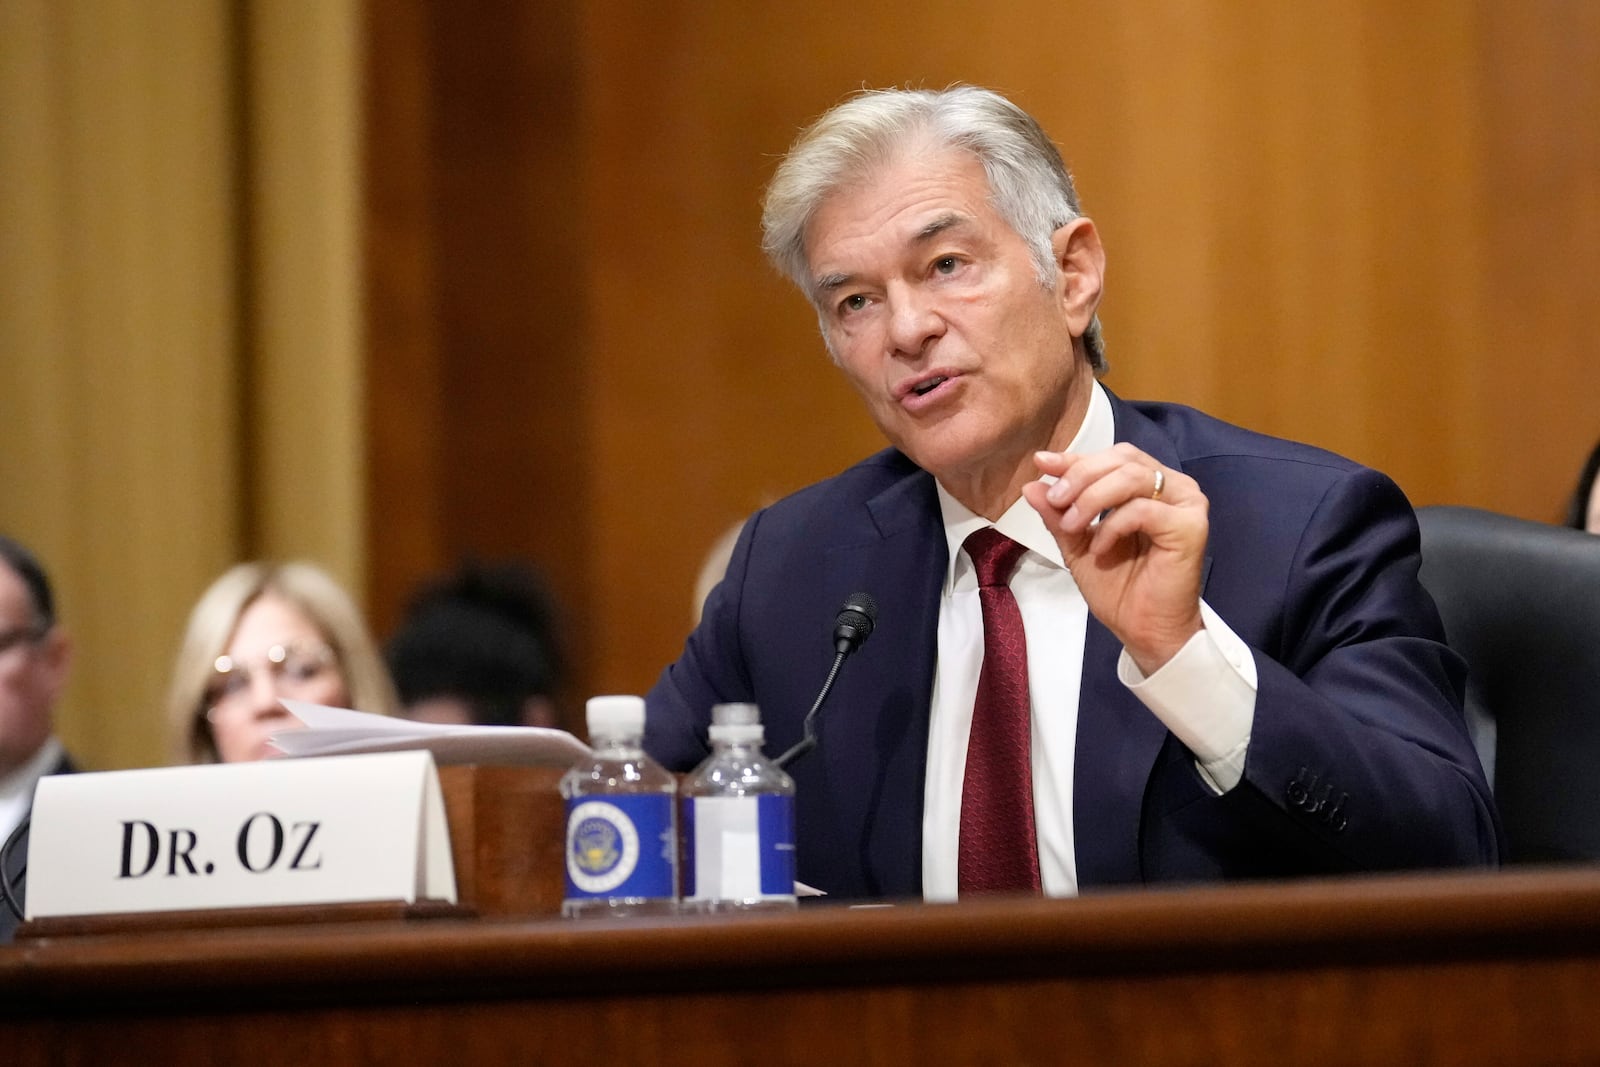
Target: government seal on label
[[602, 846]]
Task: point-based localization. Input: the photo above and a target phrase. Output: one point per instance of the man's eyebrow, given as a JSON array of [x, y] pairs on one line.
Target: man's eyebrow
[[952, 220], [948, 221]]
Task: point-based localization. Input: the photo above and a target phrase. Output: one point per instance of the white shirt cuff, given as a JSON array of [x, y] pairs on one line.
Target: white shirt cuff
[[1206, 695]]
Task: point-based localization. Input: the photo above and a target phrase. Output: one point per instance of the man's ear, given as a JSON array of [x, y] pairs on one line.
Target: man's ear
[[1080, 262]]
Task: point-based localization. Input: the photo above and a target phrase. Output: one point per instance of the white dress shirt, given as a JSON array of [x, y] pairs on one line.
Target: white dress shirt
[[16, 788], [1205, 695]]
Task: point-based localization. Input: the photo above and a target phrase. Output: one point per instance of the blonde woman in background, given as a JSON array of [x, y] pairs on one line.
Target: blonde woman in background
[[260, 632]]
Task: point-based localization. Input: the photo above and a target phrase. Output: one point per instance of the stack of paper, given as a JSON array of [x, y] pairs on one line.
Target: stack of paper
[[341, 732]]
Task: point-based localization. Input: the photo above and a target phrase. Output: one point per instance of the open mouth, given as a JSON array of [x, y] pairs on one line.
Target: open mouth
[[924, 388]]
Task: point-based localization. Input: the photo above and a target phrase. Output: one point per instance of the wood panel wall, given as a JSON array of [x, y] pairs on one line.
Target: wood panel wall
[[1366, 226], [477, 378], [119, 272], [179, 309]]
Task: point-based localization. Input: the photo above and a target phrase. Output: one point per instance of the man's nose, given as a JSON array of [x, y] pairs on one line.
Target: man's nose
[[914, 320]]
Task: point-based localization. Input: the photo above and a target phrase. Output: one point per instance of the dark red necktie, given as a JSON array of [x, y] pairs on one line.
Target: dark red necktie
[[999, 847]]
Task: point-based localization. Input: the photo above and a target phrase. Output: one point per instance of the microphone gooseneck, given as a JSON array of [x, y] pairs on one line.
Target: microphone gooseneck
[[851, 628]]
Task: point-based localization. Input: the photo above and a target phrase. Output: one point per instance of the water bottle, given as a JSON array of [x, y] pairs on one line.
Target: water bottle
[[622, 840], [738, 821]]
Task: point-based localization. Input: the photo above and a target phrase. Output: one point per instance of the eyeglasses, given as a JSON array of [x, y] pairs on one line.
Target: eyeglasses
[[293, 667], [20, 635]]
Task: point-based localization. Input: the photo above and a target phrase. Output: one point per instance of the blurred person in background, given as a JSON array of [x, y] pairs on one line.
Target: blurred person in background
[[478, 647], [714, 566], [1583, 513], [34, 657], [260, 632]]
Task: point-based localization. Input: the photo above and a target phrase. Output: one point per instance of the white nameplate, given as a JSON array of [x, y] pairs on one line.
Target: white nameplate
[[240, 835]]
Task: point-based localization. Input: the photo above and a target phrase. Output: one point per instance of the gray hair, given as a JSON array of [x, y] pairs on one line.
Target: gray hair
[[1030, 186]]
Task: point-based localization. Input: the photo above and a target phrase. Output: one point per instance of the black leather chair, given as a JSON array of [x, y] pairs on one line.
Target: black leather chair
[[1521, 604]]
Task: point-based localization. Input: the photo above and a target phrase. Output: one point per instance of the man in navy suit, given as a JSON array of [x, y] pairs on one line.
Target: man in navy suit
[[34, 657], [1228, 668]]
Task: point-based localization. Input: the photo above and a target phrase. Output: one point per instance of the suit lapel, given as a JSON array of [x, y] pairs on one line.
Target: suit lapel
[[1119, 739], [900, 561]]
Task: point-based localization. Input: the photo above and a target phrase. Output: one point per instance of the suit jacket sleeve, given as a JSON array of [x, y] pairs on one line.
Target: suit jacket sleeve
[[766, 636], [1359, 758], [679, 706]]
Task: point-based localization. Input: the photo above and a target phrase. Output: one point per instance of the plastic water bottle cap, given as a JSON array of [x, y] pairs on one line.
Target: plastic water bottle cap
[[735, 714], [615, 716], [736, 733], [736, 722]]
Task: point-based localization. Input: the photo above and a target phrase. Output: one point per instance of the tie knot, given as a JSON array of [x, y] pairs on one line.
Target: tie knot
[[994, 556]]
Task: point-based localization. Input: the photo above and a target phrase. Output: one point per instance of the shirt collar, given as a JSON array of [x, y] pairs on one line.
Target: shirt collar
[[1020, 522], [20, 783]]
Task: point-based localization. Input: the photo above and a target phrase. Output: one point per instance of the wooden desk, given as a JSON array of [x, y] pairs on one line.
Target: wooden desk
[[1464, 969]]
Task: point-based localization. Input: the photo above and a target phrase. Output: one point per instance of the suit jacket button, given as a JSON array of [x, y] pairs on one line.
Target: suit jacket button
[[1296, 791], [1336, 819]]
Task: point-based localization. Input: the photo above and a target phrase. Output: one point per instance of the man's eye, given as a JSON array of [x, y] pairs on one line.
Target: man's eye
[[853, 302], [946, 264]]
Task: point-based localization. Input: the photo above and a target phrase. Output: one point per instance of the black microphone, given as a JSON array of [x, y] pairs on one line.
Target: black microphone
[[851, 628], [854, 623]]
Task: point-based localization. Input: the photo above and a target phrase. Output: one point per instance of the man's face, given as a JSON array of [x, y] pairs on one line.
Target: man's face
[[32, 671], [933, 307]]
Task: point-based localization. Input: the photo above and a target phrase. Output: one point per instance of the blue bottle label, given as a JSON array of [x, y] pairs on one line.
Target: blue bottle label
[[620, 846], [777, 846], [739, 848]]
